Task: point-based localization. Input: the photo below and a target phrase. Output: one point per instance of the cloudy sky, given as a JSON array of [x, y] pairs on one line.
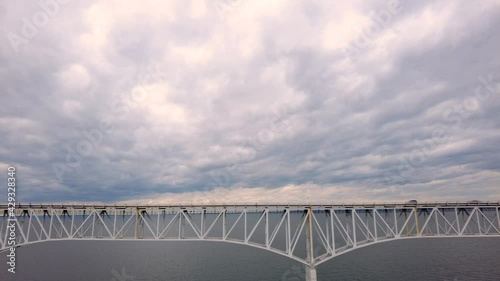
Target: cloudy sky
[[250, 101]]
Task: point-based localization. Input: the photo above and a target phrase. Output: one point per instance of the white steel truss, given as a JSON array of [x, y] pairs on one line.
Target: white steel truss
[[308, 234]]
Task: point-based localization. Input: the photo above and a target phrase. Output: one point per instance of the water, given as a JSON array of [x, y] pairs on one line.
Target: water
[[451, 259]]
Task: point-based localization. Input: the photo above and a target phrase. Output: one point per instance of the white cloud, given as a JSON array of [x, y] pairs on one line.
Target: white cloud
[[76, 78], [263, 95]]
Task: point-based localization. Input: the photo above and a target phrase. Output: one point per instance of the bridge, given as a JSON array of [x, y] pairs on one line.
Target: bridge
[[309, 234]]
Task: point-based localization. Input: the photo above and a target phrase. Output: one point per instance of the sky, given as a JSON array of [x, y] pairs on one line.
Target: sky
[[238, 101]]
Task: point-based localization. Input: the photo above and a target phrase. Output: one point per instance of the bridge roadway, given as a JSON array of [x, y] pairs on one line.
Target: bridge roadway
[[309, 234]]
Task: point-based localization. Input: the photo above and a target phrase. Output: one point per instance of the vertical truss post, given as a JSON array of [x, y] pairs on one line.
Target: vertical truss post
[[51, 214], [158, 224], [416, 221], [333, 231], [181, 225], [114, 223], [183, 229], [267, 227], [355, 242], [437, 220], [224, 231], [93, 223], [136, 221], [71, 233], [310, 268], [203, 213], [396, 232], [478, 221], [287, 229], [245, 222]]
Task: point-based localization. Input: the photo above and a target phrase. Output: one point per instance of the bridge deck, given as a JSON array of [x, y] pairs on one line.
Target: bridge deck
[[310, 234]]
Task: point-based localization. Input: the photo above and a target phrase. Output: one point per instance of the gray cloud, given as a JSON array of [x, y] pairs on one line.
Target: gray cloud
[[118, 101]]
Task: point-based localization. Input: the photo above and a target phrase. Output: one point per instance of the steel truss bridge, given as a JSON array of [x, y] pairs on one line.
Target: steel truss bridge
[[309, 234]]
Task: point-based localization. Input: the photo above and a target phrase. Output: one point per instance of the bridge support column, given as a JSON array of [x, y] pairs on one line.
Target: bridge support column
[[310, 269], [311, 274]]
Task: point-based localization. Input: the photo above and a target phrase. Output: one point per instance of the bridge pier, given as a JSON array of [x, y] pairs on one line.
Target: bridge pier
[[310, 269], [311, 273]]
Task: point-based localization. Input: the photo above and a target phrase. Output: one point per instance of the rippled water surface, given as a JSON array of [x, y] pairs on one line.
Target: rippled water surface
[[416, 259]]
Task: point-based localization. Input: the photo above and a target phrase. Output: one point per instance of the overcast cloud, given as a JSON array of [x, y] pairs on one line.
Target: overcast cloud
[[250, 101]]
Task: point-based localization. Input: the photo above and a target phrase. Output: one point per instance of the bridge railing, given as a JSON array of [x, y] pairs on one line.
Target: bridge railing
[[258, 206]]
